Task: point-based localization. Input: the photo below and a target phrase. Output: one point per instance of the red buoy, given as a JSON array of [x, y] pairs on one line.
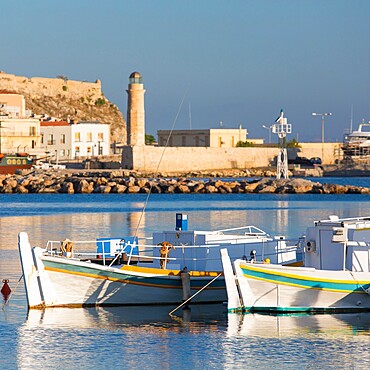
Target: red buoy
[[5, 290]]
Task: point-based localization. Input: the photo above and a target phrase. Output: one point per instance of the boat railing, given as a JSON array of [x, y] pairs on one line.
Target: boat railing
[[144, 253], [242, 239], [53, 246], [251, 230], [186, 260], [350, 220]]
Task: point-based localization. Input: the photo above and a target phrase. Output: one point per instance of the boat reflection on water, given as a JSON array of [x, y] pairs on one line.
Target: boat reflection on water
[[203, 337], [116, 317], [118, 337], [270, 326]]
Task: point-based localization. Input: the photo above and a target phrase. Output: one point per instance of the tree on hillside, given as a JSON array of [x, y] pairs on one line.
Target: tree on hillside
[[65, 78]]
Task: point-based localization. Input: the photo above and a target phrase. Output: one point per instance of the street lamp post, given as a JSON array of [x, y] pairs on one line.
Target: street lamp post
[[322, 130], [268, 128]]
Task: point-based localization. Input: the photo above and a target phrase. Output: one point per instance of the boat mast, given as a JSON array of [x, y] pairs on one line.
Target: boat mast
[[1, 127], [190, 116]]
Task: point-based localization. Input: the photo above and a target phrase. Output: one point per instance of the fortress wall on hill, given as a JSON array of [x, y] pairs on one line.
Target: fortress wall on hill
[[39, 86], [178, 159]]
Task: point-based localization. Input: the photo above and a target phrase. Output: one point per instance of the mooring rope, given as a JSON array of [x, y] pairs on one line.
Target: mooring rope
[[367, 291], [200, 290]]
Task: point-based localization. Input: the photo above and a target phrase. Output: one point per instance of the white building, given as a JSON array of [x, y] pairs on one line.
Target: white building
[[68, 141]]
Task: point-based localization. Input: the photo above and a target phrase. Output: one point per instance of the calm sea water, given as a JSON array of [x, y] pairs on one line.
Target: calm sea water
[[204, 337]]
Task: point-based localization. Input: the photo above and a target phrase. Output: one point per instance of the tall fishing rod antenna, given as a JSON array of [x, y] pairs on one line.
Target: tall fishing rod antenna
[[156, 172], [160, 160], [1, 127]]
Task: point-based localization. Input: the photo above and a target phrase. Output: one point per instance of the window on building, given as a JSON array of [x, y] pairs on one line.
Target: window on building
[[62, 152], [32, 131], [89, 150], [89, 136], [77, 150], [63, 138], [51, 140], [77, 136], [100, 136], [183, 140], [42, 138]]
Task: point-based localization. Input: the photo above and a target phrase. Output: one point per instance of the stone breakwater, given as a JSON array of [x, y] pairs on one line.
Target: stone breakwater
[[121, 182]]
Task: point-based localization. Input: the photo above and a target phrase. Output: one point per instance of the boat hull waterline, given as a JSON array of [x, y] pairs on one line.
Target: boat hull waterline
[[298, 289]]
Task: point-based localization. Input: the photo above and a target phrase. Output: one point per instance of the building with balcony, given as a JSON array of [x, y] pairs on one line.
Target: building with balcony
[[19, 135], [66, 141]]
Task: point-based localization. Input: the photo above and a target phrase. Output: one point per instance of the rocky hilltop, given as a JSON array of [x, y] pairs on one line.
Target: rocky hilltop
[[67, 99]]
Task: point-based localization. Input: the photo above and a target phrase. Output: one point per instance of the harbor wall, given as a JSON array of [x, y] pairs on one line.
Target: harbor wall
[[178, 159], [329, 152]]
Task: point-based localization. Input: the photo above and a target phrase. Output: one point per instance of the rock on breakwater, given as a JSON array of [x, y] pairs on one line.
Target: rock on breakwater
[[126, 182]]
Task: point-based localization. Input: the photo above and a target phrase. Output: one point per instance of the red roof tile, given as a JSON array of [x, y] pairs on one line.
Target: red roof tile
[[54, 123]]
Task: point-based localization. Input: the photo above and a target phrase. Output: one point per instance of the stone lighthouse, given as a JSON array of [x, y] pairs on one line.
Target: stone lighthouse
[[135, 111]]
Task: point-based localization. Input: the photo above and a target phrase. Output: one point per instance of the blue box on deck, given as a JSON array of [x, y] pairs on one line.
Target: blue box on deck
[[181, 221], [111, 246]]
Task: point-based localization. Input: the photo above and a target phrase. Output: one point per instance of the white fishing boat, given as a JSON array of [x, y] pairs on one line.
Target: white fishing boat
[[176, 266], [335, 276]]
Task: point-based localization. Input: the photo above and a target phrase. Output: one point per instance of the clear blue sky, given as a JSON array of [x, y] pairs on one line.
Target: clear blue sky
[[235, 61]]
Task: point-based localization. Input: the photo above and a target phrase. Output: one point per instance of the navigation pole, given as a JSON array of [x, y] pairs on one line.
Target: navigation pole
[[282, 128]]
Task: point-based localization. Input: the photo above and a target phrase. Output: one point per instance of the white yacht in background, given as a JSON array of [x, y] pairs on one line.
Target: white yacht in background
[[356, 145]]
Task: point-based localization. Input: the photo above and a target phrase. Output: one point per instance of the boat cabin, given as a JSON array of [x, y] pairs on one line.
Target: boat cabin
[[339, 244], [196, 250], [200, 250]]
